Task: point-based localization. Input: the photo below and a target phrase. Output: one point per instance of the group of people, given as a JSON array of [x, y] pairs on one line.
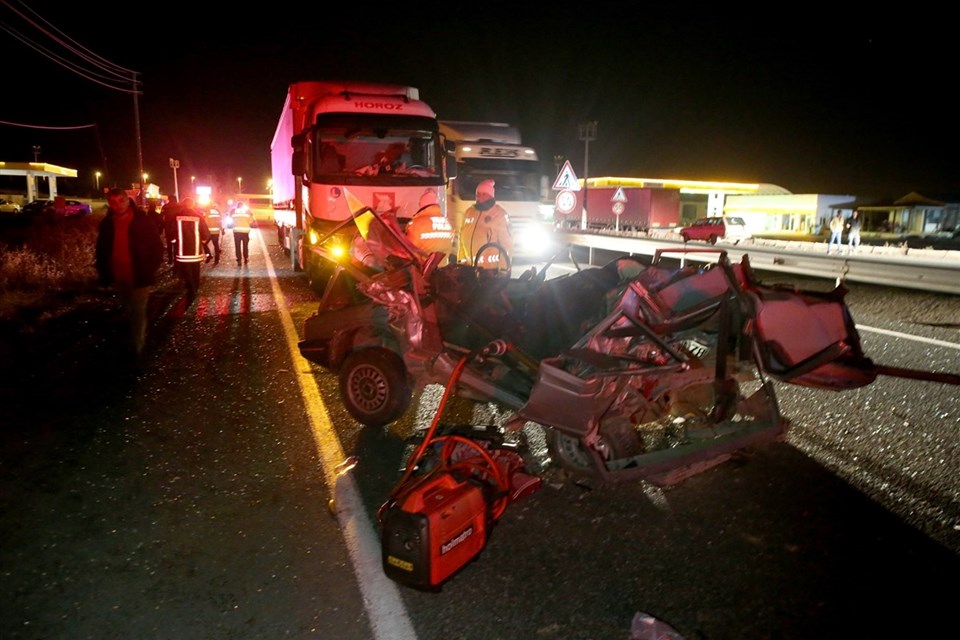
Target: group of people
[[131, 243], [837, 225]]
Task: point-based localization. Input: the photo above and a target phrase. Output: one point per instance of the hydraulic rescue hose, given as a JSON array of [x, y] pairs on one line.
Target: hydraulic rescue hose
[[492, 469]]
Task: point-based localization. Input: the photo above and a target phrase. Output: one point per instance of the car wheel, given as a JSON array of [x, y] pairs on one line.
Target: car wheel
[[374, 386], [686, 238], [620, 440], [712, 239]]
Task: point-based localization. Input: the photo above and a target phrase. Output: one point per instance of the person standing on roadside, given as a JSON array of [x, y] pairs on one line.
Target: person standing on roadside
[[853, 233], [191, 233], [836, 233], [429, 230], [128, 252], [486, 226], [169, 215], [241, 233]]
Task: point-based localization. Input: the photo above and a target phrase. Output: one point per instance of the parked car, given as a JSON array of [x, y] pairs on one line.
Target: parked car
[[49, 207], [77, 208], [37, 207], [7, 206], [729, 228]]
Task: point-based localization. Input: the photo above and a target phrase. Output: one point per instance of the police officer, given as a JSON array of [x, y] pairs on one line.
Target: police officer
[[428, 229], [241, 233], [483, 223]]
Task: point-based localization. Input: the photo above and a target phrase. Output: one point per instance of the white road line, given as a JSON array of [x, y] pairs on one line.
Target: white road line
[[385, 608], [908, 336]]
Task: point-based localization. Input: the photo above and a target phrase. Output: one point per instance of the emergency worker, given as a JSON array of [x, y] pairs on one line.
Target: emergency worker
[[191, 233], [429, 230], [213, 224], [169, 215], [486, 222], [241, 233]]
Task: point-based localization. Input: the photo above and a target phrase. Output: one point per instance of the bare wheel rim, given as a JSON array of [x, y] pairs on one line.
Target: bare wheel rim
[[368, 389]]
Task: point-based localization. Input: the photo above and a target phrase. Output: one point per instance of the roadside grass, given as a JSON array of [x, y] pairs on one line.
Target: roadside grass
[[44, 261]]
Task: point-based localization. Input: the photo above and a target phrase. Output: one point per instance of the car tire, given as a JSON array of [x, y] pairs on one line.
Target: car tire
[[712, 239], [685, 237], [374, 386]]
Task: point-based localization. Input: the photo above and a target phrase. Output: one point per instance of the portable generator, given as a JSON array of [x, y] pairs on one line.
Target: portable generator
[[454, 488], [440, 524]]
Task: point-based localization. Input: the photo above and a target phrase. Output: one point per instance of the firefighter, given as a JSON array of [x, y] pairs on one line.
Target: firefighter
[[486, 223], [191, 234], [169, 214], [428, 229]]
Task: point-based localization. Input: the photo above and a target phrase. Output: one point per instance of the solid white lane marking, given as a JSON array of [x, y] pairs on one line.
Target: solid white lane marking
[[381, 598], [908, 336]]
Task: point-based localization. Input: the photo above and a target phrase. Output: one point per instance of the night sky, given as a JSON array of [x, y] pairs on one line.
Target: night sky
[[813, 102]]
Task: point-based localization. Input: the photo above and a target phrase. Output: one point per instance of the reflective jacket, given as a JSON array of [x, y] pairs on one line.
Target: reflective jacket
[[241, 220], [429, 230], [483, 223], [191, 233], [213, 221]]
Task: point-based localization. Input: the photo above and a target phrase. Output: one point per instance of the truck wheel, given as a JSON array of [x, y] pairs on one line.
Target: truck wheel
[[374, 386], [317, 273]]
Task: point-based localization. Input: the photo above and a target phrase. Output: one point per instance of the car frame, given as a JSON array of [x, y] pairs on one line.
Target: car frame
[[713, 228]]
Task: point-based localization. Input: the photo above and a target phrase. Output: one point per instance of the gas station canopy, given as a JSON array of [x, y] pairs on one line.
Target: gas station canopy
[[33, 169]]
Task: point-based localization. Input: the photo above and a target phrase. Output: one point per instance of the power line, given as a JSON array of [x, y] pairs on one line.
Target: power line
[[48, 128]]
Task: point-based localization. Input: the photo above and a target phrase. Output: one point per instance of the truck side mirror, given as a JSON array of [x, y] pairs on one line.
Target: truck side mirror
[[296, 159], [450, 160]]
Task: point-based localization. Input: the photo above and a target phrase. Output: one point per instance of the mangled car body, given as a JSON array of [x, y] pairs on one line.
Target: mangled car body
[[635, 370]]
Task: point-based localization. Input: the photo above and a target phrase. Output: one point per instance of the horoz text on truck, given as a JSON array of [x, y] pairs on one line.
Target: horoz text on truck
[[379, 142]]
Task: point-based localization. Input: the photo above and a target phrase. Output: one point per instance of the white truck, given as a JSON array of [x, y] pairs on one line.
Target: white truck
[[493, 150], [379, 143]]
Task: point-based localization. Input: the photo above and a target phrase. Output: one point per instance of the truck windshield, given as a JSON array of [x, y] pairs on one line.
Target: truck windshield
[[342, 154], [515, 180]]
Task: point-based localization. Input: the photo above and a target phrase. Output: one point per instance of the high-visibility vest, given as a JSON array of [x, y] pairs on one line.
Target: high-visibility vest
[[482, 227], [241, 220], [430, 231], [191, 235], [213, 222]]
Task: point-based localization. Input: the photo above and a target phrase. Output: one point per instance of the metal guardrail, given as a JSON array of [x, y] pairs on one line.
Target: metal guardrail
[[893, 269]]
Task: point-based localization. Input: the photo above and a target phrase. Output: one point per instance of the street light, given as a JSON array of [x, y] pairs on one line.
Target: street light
[[239, 185], [97, 176], [175, 164], [588, 133]]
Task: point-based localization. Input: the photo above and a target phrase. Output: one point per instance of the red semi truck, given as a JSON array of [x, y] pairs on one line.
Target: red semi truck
[[378, 144]]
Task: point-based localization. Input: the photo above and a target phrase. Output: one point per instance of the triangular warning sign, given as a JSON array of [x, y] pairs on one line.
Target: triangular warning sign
[[567, 179], [619, 195]]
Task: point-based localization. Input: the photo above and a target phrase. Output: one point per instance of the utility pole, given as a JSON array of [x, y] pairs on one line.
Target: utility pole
[[175, 164], [136, 122], [588, 133]]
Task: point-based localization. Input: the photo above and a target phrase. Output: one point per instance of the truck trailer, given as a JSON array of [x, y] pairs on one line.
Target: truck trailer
[[378, 143], [494, 151]]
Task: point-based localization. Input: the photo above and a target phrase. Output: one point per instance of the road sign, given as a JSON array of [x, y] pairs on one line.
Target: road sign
[[566, 201], [567, 179], [618, 208], [619, 196]]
